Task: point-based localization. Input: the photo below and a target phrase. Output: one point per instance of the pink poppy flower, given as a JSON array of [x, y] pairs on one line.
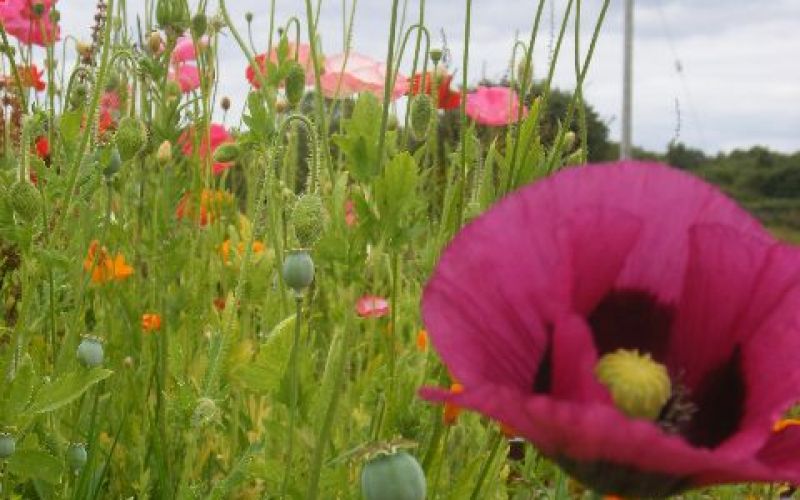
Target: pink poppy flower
[[361, 74], [184, 49], [216, 137], [187, 76], [494, 106], [372, 306], [350, 214], [303, 58], [633, 256], [29, 21]]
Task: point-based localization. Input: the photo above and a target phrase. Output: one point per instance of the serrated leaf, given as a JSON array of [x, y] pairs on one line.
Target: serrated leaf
[[360, 140], [66, 389], [36, 464], [264, 375], [20, 392]]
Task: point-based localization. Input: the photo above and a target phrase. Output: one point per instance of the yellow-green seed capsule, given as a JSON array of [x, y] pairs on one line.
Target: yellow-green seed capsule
[[308, 218], [421, 115], [131, 136], [639, 386], [25, 200], [295, 83]]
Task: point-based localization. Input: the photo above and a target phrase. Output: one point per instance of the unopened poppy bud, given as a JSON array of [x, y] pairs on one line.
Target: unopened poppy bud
[[199, 25], [421, 114], [8, 445], [154, 42], [248, 16], [164, 153], [227, 152], [298, 270], [569, 140], [525, 71], [55, 16], [226, 103], [113, 164], [78, 95], [25, 200], [173, 90], [295, 84], [308, 219], [639, 386], [84, 49], [76, 456], [130, 137]]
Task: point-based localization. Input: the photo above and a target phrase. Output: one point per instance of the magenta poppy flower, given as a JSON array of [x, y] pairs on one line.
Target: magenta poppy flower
[[184, 49], [217, 136], [361, 74], [372, 306], [187, 76], [29, 21], [637, 256], [494, 106]]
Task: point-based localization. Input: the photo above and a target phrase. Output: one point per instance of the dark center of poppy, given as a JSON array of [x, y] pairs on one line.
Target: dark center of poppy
[[705, 414]]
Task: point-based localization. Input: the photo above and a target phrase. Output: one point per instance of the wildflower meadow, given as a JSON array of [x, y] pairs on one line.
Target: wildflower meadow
[[366, 278]]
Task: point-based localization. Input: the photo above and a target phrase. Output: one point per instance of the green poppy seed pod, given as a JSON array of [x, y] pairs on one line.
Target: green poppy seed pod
[[199, 25], [298, 270], [227, 152], [25, 200], [164, 153], [308, 219], [76, 456], [8, 445], [55, 16], [248, 16], [421, 115], [90, 352], [395, 476], [163, 12], [295, 83], [131, 136], [113, 163], [435, 55], [639, 386]]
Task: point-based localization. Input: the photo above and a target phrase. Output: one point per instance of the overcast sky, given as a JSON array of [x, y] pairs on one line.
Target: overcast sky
[[738, 83]]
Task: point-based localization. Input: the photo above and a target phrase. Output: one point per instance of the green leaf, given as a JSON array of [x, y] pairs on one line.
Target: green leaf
[[21, 390], [264, 375], [396, 197], [360, 140], [35, 464], [66, 389]]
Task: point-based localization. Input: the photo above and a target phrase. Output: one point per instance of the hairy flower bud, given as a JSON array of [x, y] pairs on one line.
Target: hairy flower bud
[[421, 114], [639, 386], [308, 219], [164, 153], [154, 42], [25, 200], [295, 83], [131, 136], [199, 25]]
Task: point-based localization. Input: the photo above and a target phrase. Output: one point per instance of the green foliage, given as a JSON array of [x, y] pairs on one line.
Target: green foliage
[[359, 142], [66, 389]]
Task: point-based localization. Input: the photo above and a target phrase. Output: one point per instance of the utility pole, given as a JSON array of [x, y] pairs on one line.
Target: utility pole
[[627, 84]]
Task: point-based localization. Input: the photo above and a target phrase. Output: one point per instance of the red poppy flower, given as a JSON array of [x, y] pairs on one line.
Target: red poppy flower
[[446, 98], [626, 257], [217, 135], [372, 306], [31, 77], [303, 58], [42, 147]]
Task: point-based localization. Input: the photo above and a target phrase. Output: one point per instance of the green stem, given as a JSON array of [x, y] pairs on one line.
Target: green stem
[[462, 179], [292, 394], [387, 87], [497, 439]]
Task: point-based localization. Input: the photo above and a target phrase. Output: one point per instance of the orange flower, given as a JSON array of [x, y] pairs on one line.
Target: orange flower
[[451, 411], [211, 204], [422, 341], [225, 249], [102, 267], [151, 322]]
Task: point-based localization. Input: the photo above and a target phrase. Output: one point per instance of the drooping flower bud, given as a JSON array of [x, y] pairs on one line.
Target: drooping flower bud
[[76, 456], [226, 103], [298, 270], [639, 386], [113, 163], [25, 200], [199, 25], [164, 153], [308, 219], [295, 83], [130, 137], [421, 114]]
